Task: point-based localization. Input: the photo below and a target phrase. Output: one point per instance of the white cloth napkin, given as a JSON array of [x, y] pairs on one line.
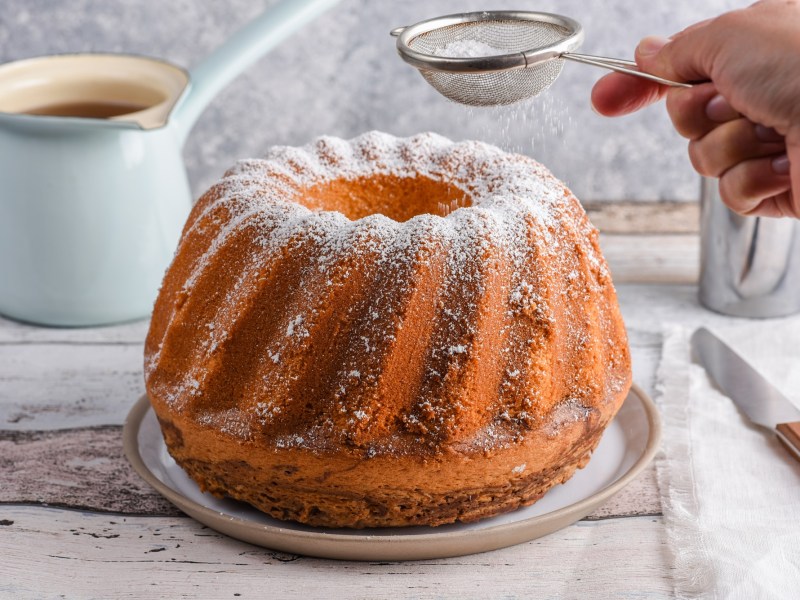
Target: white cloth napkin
[[730, 491]]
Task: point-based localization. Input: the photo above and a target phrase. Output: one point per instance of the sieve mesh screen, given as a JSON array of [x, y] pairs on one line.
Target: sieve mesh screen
[[490, 88]]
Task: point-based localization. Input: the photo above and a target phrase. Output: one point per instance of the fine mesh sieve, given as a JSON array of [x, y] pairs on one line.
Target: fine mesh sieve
[[499, 57]]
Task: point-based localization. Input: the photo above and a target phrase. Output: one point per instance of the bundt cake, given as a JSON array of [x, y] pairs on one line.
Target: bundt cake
[[386, 332]]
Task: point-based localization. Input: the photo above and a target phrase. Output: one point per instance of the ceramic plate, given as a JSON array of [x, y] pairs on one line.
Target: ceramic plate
[[627, 446]]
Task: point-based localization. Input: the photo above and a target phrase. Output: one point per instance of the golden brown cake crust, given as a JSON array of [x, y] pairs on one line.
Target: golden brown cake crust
[[339, 490], [348, 369]]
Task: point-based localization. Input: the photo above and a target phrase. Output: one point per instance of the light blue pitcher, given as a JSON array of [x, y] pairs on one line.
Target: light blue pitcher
[[91, 209]]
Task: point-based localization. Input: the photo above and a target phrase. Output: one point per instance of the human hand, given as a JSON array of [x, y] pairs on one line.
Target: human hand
[[744, 123]]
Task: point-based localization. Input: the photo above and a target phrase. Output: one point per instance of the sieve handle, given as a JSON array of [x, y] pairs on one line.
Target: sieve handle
[[620, 66]]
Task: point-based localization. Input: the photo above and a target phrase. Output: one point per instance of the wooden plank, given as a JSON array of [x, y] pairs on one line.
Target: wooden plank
[[49, 386], [648, 308], [86, 469], [639, 498], [50, 552], [639, 218], [666, 259], [22, 333], [83, 469], [645, 355]]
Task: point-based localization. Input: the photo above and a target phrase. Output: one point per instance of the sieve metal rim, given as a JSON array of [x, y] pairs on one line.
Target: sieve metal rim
[[487, 64]]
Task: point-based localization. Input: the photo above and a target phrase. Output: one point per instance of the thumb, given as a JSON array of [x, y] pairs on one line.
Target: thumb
[[679, 58]]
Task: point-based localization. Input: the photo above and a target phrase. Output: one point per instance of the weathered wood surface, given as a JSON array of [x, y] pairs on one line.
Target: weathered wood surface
[[14, 332], [83, 469], [66, 385], [638, 218], [50, 553], [667, 258], [653, 242]]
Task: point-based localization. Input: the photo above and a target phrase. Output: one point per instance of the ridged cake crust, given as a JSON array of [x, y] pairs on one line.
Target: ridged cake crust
[[330, 349]]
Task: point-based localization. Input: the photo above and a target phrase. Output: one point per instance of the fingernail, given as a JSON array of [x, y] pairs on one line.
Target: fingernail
[[719, 110], [780, 164], [651, 45], [768, 134]]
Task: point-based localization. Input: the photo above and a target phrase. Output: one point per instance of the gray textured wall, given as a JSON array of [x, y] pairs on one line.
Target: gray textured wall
[[340, 76]]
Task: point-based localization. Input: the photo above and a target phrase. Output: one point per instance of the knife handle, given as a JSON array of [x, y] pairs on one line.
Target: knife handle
[[789, 435]]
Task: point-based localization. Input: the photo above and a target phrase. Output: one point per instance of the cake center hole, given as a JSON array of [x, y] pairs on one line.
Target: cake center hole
[[399, 198]]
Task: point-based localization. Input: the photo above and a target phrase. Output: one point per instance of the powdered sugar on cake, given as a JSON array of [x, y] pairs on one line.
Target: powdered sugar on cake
[[508, 243]]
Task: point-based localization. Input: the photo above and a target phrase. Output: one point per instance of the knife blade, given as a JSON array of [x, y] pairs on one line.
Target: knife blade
[[757, 398]]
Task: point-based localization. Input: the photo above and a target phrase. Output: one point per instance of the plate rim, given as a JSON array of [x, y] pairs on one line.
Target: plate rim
[[325, 544]]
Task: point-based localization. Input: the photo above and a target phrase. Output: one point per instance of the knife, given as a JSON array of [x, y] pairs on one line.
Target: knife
[[756, 397]]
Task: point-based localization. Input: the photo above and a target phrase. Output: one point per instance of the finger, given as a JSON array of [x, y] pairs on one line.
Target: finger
[[698, 25], [719, 110], [729, 144], [778, 206], [744, 187], [793, 167], [786, 204], [688, 109], [686, 56], [618, 94]]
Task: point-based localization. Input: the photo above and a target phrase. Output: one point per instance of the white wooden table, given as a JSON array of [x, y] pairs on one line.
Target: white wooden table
[[77, 522]]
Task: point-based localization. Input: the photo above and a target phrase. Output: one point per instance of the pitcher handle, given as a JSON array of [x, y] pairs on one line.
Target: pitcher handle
[[242, 50]]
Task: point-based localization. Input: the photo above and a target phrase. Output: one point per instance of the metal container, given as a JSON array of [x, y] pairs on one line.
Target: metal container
[[749, 266]]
